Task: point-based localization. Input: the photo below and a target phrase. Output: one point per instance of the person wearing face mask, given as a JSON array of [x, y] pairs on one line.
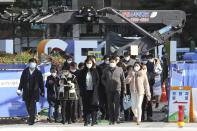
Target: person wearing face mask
[[138, 87], [52, 85], [114, 80], [101, 90], [144, 60], [68, 61], [89, 83], [127, 60], [68, 94], [31, 82], [117, 58]]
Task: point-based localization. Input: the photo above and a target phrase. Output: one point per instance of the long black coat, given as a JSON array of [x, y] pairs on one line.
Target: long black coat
[[52, 86], [33, 88], [90, 98]]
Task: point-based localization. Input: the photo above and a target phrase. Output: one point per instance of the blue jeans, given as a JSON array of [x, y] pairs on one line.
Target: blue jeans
[[50, 113]]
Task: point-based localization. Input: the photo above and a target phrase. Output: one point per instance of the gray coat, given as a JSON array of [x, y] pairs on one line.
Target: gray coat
[[113, 79]]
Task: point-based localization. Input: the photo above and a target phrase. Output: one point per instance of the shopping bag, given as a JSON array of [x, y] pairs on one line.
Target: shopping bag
[[127, 102]]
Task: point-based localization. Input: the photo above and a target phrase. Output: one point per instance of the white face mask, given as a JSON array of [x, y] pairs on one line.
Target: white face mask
[[54, 74], [107, 62], [117, 61], [65, 73], [127, 58], [69, 61], [89, 66], [112, 65], [144, 62], [136, 68], [72, 70], [150, 60]]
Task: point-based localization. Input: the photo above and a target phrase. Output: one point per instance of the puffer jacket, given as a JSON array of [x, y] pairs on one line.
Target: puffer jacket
[[138, 83]]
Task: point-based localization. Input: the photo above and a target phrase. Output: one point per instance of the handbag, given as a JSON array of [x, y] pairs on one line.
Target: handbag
[[127, 102]]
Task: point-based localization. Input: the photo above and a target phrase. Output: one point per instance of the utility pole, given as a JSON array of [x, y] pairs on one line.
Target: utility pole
[[45, 6], [76, 34]]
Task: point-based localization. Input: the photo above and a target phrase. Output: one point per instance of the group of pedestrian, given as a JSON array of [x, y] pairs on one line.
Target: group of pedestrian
[[90, 92]]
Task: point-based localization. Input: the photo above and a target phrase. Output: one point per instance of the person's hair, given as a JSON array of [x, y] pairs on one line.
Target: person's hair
[[144, 65], [70, 57], [126, 54], [133, 56], [66, 67], [94, 57], [129, 66], [89, 56], [105, 57], [32, 60], [53, 67], [80, 65], [143, 57], [73, 64], [112, 58], [157, 61], [138, 64]]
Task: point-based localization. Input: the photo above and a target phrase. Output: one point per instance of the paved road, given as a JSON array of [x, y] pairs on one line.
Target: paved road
[[131, 126]]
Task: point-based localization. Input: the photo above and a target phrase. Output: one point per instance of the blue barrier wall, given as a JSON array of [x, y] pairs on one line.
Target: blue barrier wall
[[12, 105]]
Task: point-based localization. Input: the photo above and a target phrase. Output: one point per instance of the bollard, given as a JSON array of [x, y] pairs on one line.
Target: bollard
[[181, 116]]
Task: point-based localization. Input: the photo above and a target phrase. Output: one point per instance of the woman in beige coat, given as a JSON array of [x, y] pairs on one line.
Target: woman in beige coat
[[139, 86]]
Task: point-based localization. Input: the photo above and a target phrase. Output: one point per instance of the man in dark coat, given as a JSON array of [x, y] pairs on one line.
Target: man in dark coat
[[101, 92], [31, 83], [114, 80], [128, 60]]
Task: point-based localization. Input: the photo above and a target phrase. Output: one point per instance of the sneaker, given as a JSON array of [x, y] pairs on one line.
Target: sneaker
[[86, 124], [49, 120], [69, 122], [138, 123]]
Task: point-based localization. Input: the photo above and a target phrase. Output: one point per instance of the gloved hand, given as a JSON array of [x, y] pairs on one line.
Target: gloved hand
[[18, 92]]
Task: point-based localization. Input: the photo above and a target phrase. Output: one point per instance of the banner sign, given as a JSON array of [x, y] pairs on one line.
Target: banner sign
[[12, 105], [98, 56], [185, 74], [179, 95]]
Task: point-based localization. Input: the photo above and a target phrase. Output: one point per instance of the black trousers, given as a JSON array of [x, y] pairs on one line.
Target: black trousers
[[128, 114], [103, 106], [31, 108], [146, 106], [79, 107], [90, 112], [113, 100], [66, 110], [74, 110]]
